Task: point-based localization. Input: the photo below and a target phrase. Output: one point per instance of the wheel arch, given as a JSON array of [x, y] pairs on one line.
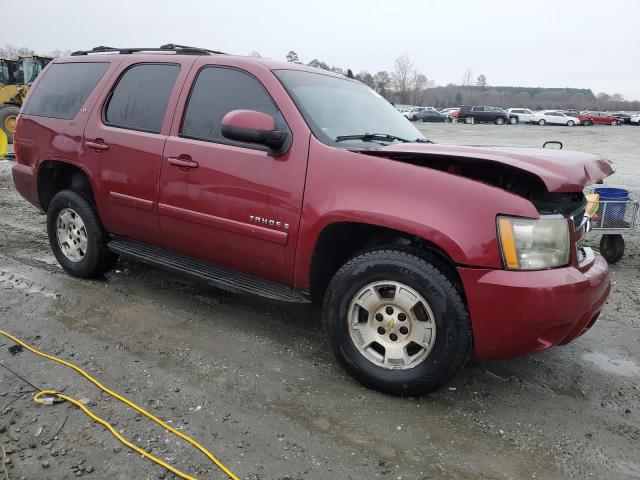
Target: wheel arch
[[55, 175], [340, 240]]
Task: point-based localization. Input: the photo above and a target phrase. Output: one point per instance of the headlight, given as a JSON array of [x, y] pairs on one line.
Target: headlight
[[534, 244]]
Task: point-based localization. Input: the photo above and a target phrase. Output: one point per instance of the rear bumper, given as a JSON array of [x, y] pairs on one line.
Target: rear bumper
[[516, 313], [24, 178]]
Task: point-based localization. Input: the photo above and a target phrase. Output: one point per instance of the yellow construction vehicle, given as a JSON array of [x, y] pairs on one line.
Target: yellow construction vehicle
[[16, 76]]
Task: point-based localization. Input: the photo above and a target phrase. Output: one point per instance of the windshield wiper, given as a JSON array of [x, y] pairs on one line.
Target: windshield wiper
[[369, 137]]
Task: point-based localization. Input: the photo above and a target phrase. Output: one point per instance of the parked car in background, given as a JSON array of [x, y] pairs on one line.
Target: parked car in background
[[411, 114], [623, 116], [554, 117], [524, 114], [452, 115], [446, 111], [478, 113], [571, 112], [635, 119], [429, 116], [598, 118]]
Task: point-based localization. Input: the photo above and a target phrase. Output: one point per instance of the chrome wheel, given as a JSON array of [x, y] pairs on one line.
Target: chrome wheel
[[391, 325], [71, 234]]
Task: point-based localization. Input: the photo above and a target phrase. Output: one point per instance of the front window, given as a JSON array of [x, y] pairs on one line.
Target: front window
[[335, 108]]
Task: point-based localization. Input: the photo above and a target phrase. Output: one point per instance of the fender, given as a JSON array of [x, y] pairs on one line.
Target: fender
[[455, 213]]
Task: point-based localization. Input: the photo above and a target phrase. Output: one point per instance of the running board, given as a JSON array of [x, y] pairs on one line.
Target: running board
[[220, 277]]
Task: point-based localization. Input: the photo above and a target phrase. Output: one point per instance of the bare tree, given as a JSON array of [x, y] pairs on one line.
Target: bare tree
[[366, 78], [481, 81], [60, 53], [402, 76], [419, 87], [382, 83], [11, 51], [292, 57], [467, 78]]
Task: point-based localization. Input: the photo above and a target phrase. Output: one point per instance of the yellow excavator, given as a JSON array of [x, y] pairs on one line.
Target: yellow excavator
[[16, 77]]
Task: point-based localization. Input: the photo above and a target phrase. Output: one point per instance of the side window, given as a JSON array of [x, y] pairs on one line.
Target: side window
[[64, 89], [216, 92], [139, 100], [477, 109]]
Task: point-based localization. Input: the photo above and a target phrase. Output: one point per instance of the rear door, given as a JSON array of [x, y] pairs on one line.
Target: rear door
[[235, 206], [126, 134]]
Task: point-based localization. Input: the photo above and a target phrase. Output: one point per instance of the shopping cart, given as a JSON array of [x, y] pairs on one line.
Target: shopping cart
[[612, 219]]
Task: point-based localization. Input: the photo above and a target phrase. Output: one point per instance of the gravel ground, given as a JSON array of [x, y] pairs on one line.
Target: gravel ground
[[253, 381]]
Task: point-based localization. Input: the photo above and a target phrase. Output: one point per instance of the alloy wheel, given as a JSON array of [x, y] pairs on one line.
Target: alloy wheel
[[391, 325], [71, 234]]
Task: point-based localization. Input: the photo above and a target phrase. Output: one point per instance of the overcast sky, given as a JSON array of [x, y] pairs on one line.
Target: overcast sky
[[569, 43]]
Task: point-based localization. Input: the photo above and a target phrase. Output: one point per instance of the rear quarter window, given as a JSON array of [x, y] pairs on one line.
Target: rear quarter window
[[64, 89]]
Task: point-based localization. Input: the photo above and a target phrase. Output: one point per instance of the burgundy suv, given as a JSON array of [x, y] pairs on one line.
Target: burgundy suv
[[297, 184]]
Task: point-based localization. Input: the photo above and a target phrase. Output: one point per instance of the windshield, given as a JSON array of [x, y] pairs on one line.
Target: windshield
[[336, 108]]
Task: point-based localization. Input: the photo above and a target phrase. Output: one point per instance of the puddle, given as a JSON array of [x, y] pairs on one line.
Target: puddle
[[616, 366]]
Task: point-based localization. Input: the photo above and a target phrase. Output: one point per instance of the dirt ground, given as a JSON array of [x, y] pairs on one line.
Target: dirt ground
[[253, 381]]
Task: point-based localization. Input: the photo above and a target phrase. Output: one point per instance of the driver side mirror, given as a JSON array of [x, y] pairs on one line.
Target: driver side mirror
[[250, 126]]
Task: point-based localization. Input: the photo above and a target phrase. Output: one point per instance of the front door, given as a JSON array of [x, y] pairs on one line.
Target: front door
[[224, 202], [126, 134]]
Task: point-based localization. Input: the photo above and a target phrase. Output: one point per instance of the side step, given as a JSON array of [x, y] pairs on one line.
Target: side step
[[220, 277]]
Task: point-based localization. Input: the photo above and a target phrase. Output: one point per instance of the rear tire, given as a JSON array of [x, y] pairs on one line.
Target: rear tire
[[541, 122], [76, 236], [8, 116], [513, 121], [406, 271]]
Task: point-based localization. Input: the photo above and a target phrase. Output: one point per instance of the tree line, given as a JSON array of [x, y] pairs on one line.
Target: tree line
[[406, 85]]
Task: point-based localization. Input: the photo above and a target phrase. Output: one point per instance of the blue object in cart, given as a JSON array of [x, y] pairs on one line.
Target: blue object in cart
[[615, 209]]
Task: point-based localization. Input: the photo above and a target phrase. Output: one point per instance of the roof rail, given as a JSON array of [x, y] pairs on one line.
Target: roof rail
[[169, 47]]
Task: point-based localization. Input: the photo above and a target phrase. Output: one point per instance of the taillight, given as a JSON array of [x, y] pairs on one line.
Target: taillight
[[16, 137]]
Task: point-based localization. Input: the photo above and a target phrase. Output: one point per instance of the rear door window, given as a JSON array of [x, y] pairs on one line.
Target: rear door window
[[64, 89], [139, 100]]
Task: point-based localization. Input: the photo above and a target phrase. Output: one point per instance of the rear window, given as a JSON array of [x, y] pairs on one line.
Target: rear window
[[139, 100], [64, 89]]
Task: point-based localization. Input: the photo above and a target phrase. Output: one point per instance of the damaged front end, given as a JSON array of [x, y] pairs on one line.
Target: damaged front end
[[552, 180]]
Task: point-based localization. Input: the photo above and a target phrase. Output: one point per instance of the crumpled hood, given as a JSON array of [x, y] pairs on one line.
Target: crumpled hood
[[559, 170]]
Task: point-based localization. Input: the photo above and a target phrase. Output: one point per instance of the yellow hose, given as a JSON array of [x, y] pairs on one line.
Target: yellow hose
[[51, 393]]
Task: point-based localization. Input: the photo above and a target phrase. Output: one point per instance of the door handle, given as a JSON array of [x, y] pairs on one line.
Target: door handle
[[183, 161], [97, 145]]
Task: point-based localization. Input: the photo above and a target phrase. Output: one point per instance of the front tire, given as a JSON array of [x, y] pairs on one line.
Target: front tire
[[396, 322], [76, 236], [499, 121], [541, 122], [570, 123]]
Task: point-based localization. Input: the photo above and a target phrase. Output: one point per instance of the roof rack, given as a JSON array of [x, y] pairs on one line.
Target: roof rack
[[169, 47]]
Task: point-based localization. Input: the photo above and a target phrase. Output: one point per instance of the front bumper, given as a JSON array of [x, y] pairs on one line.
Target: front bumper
[[516, 313]]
